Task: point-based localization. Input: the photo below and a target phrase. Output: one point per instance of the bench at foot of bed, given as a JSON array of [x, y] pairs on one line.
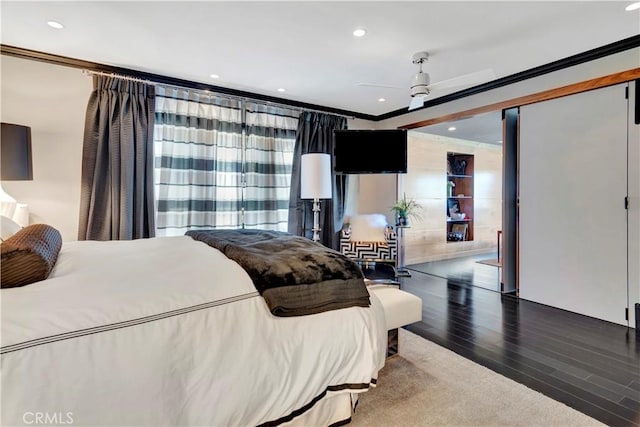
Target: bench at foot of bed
[[400, 308]]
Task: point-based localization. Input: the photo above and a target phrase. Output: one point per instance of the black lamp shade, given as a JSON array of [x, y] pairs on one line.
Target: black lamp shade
[[15, 153]]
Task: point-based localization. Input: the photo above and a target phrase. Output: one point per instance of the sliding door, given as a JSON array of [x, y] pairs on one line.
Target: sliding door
[[572, 215]]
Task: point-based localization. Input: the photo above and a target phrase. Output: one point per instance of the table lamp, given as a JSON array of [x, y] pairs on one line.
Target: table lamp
[[15, 162], [315, 183]]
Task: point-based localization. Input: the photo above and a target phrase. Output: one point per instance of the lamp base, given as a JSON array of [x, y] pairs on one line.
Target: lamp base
[[7, 204], [316, 220]]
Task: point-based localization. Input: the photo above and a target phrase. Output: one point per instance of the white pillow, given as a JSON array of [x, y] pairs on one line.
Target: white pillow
[[368, 228], [8, 227]]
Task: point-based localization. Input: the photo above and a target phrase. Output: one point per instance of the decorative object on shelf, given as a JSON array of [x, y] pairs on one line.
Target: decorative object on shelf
[[453, 207], [459, 167], [405, 209], [459, 231], [315, 183], [454, 236], [460, 203]]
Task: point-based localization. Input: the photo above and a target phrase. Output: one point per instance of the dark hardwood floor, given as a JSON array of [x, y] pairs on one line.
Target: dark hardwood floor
[[465, 269], [590, 365]]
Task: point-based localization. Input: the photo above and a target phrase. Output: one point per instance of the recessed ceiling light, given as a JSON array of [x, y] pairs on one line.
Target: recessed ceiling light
[[381, 99], [359, 32], [452, 128], [281, 89], [55, 24], [633, 6], [214, 76]]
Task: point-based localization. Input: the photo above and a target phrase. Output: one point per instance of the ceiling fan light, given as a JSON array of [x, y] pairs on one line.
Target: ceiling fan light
[[421, 79], [420, 91], [420, 84]]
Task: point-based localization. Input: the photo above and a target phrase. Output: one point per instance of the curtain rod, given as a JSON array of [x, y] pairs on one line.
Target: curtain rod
[[240, 98], [117, 76]]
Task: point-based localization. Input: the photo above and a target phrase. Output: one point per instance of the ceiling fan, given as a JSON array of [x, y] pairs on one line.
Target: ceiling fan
[[421, 85]]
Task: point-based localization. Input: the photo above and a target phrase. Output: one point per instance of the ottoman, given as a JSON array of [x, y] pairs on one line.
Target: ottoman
[[400, 308]]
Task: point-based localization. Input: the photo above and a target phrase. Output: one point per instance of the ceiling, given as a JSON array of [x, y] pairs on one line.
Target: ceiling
[[308, 48], [485, 128]]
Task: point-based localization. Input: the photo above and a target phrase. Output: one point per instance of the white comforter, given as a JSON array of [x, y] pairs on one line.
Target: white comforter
[[168, 331]]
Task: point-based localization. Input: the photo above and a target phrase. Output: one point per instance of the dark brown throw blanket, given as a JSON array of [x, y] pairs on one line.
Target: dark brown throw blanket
[[294, 275]]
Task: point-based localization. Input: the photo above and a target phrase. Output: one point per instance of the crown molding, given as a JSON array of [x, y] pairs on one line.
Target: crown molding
[[580, 58], [50, 58], [590, 55]]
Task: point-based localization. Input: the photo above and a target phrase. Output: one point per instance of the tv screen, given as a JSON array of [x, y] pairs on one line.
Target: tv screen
[[370, 151]]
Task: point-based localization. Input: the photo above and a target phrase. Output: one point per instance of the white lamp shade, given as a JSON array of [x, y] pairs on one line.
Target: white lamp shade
[[315, 176]]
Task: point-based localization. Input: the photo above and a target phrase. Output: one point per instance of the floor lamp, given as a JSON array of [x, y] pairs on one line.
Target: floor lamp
[[315, 183], [15, 162]]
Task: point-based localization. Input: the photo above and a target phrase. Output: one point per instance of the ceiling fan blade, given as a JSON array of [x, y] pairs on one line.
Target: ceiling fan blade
[[481, 76], [378, 85], [416, 102]]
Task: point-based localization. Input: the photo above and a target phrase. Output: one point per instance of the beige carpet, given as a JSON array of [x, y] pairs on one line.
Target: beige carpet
[[428, 385]]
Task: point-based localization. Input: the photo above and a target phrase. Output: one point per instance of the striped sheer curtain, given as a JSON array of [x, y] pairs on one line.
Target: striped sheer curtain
[[198, 161], [270, 142], [220, 164]]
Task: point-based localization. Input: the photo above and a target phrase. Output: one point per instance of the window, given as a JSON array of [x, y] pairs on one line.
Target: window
[[219, 163]]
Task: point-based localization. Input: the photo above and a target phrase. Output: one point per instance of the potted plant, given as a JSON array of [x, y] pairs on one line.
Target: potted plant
[[405, 209]]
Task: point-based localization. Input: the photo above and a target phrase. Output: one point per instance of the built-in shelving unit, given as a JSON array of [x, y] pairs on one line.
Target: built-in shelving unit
[[460, 212]]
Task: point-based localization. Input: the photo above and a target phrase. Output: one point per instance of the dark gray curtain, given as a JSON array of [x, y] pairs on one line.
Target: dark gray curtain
[[315, 135], [116, 200]]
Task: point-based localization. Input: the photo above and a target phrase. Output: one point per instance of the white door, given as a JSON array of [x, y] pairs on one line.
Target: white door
[[572, 216]]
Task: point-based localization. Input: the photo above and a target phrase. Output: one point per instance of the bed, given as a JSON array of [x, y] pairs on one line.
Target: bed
[[170, 331]]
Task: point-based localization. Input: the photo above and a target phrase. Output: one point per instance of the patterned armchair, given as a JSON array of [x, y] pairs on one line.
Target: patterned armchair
[[368, 238]]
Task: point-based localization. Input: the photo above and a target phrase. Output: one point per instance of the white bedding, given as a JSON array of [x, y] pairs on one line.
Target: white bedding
[[168, 331]]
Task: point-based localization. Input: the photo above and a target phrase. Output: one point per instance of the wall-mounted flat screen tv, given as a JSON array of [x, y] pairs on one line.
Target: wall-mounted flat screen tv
[[370, 151]]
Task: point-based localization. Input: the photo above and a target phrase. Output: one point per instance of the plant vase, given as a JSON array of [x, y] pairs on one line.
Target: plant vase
[[450, 185], [403, 209]]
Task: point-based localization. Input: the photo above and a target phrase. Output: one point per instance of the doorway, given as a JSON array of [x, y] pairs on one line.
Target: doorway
[[464, 243]]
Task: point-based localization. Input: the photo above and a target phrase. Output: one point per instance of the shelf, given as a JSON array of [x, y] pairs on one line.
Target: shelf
[[460, 197]]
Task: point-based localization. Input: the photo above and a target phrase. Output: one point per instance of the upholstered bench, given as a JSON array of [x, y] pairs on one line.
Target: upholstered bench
[[400, 308]]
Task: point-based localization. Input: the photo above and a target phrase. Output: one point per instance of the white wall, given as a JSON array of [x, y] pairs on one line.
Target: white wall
[[52, 100]]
